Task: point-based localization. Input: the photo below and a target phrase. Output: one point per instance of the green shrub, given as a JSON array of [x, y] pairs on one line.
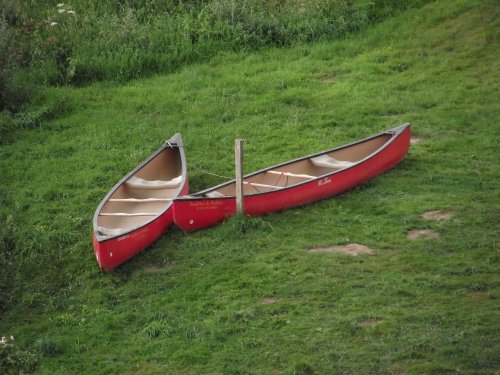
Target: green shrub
[[16, 87], [78, 43], [45, 43], [14, 360], [48, 347], [153, 329], [30, 117], [16, 90]]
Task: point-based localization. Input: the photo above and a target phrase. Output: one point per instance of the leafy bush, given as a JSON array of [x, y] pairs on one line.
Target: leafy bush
[[30, 117], [15, 86], [79, 43], [14, 360], [48, 347], [46, 44]]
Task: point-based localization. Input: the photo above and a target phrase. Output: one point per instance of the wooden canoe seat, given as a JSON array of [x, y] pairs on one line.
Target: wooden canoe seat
[[110, 232], [329, 162], [140, 183], [214, 194], [139, 200]]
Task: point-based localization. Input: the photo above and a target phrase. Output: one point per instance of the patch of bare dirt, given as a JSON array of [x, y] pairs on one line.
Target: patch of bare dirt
[[352, 249], [268, 300], [398, 368], [327, 78], [415, 140], [371, 321], [390, 251], [481, 296], [437, 215], [427, 234]]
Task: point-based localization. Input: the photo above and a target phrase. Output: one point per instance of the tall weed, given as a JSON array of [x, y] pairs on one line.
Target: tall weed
[[80, 43], [15, 86]]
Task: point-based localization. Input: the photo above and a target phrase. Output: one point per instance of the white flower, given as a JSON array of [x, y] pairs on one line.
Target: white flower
[[71, 12], [3, 341], [53, 23], [60, 5], [62, 10], [12, 337]]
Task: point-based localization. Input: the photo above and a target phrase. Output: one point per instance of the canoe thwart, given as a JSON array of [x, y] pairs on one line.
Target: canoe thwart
[[329, 162], [140, 183], [137, 200], [288, 174], [262, 185]]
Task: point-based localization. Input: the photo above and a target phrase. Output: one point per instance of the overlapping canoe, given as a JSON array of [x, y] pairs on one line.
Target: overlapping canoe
[[138, 209], [296, 182]]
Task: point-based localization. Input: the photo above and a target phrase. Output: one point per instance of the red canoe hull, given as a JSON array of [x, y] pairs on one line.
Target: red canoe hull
[[197, 213], [135, 214], [116, 251]]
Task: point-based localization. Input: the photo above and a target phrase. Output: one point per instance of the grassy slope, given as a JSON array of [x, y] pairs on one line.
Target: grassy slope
[[192, 303]]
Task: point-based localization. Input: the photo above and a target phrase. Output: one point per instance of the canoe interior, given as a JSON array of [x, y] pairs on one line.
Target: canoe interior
[[165, 166], [269, 181]]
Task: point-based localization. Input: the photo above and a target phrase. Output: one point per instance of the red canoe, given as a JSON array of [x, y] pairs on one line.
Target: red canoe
[[297, 182], [138, 209]]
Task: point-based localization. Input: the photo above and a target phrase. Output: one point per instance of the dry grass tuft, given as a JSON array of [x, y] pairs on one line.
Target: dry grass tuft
[[268, 300], [437, 215], [415, 140], [427, 234], [371, 321], [352, 249]]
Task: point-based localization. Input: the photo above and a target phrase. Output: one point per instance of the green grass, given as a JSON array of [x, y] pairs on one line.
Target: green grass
[[57, 44], [192, 303], [43, 42]]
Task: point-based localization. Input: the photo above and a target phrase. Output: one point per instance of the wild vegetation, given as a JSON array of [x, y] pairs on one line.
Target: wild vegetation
[[249, 296], [77, 43]]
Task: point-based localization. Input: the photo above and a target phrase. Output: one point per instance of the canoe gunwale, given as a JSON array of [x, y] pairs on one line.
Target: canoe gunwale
[[174, 142], [395, 132]]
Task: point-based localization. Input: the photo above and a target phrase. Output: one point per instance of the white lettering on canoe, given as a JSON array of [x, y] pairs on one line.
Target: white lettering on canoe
[[137, 234], [206, 205], [324, 181]]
